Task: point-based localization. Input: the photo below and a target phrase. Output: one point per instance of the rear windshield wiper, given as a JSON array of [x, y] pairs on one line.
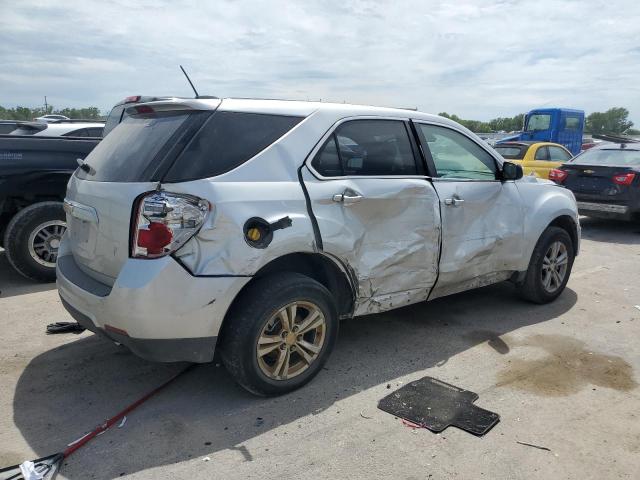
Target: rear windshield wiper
[[85, 166]]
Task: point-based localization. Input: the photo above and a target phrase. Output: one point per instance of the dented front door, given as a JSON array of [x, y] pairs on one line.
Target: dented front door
[[482, 217]]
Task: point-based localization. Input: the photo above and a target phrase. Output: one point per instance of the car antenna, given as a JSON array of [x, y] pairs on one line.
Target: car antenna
[[190, 82]]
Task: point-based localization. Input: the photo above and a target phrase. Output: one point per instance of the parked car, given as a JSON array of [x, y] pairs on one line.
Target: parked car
[[252, 226], [605, 180], [34, 172], [60, 129], [537, 158], [50, 118], [35, 165]]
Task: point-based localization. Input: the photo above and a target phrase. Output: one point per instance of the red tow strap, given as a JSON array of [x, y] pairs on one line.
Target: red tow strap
[[82, 441]]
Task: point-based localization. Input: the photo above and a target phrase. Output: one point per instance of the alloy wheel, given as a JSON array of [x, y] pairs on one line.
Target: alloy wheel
[[554, 266], [291, 340]]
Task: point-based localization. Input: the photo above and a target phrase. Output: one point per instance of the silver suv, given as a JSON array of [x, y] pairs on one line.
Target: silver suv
[[252, 227]]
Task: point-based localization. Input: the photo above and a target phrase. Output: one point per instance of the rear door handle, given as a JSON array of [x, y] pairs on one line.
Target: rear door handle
[[453, 202], [348, 197]]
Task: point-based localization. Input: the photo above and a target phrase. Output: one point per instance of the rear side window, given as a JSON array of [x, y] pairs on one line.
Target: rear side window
[[131, 148], [572, 123], [367, 148], [81, 132], [227, 140], [511, 152], [542, 154]]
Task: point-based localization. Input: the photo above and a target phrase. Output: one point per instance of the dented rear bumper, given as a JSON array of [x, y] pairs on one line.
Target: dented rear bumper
[[156, 308]]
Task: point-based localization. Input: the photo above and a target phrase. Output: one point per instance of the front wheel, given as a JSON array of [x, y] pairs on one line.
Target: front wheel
[[279, 333], [549, 267]]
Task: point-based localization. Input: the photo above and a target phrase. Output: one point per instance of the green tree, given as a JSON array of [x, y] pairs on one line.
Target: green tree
[[613, 121], [27, 114]]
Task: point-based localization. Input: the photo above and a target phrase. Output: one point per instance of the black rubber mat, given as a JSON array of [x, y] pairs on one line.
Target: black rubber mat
[[435, 405]]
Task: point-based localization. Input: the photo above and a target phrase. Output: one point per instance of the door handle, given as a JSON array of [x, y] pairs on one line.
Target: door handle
[[348, 197], [453, 202]]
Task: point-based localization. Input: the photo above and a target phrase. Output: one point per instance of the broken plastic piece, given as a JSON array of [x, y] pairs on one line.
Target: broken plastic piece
[[433, 404], [45, 468], [534, 446]]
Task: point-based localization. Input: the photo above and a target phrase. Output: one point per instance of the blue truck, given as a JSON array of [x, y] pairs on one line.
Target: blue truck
[[559, 125]]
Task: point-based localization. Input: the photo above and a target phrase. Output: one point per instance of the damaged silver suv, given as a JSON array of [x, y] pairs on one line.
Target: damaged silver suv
[[251, 227]]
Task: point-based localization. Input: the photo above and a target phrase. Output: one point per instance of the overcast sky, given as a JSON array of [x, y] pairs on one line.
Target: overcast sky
[[478, 59]]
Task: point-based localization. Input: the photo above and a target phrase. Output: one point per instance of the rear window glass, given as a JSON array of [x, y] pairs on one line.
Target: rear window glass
[[511, 152], [131, 148], [227, 140], [616, 157]]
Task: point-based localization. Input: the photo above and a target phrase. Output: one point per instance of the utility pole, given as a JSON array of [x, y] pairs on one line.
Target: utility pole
[[46, 106]]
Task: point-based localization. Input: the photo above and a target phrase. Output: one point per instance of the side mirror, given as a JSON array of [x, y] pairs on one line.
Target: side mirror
[[511, 171]]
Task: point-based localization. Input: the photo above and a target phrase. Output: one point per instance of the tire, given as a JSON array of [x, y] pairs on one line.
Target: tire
[[35, 262], [255, 315], [534, 288]]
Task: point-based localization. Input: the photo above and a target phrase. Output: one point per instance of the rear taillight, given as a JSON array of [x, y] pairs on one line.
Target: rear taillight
[[163, 222], [624, 178], [558, 175]]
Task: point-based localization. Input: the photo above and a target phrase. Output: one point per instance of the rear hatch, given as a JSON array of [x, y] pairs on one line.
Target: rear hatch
[[127, 163]]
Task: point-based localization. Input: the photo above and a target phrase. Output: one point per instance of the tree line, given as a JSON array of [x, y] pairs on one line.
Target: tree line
[[613, 121], [28, 114]]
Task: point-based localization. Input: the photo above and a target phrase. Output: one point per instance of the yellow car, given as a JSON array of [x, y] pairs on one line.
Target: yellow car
[[538, 158]]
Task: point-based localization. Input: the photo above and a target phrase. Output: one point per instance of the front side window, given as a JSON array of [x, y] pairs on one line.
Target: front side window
[[542, 154], [557, 154], [457, 156], [367, 148], [538, 121]]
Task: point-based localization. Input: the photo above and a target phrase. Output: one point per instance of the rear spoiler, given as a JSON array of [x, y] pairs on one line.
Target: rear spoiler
[[614, 138], [33, 125], [174, 104]]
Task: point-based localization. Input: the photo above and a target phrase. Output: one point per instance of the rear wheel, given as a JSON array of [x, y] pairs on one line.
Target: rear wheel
[[279, 333], [549, 267], [32, 240]]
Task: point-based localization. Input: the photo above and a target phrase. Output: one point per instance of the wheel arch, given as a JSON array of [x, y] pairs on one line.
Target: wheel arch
[[570, 225]]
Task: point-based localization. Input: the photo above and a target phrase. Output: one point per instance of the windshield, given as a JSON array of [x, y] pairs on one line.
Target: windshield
[[617, 157], [131, 148], [538, 121]]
